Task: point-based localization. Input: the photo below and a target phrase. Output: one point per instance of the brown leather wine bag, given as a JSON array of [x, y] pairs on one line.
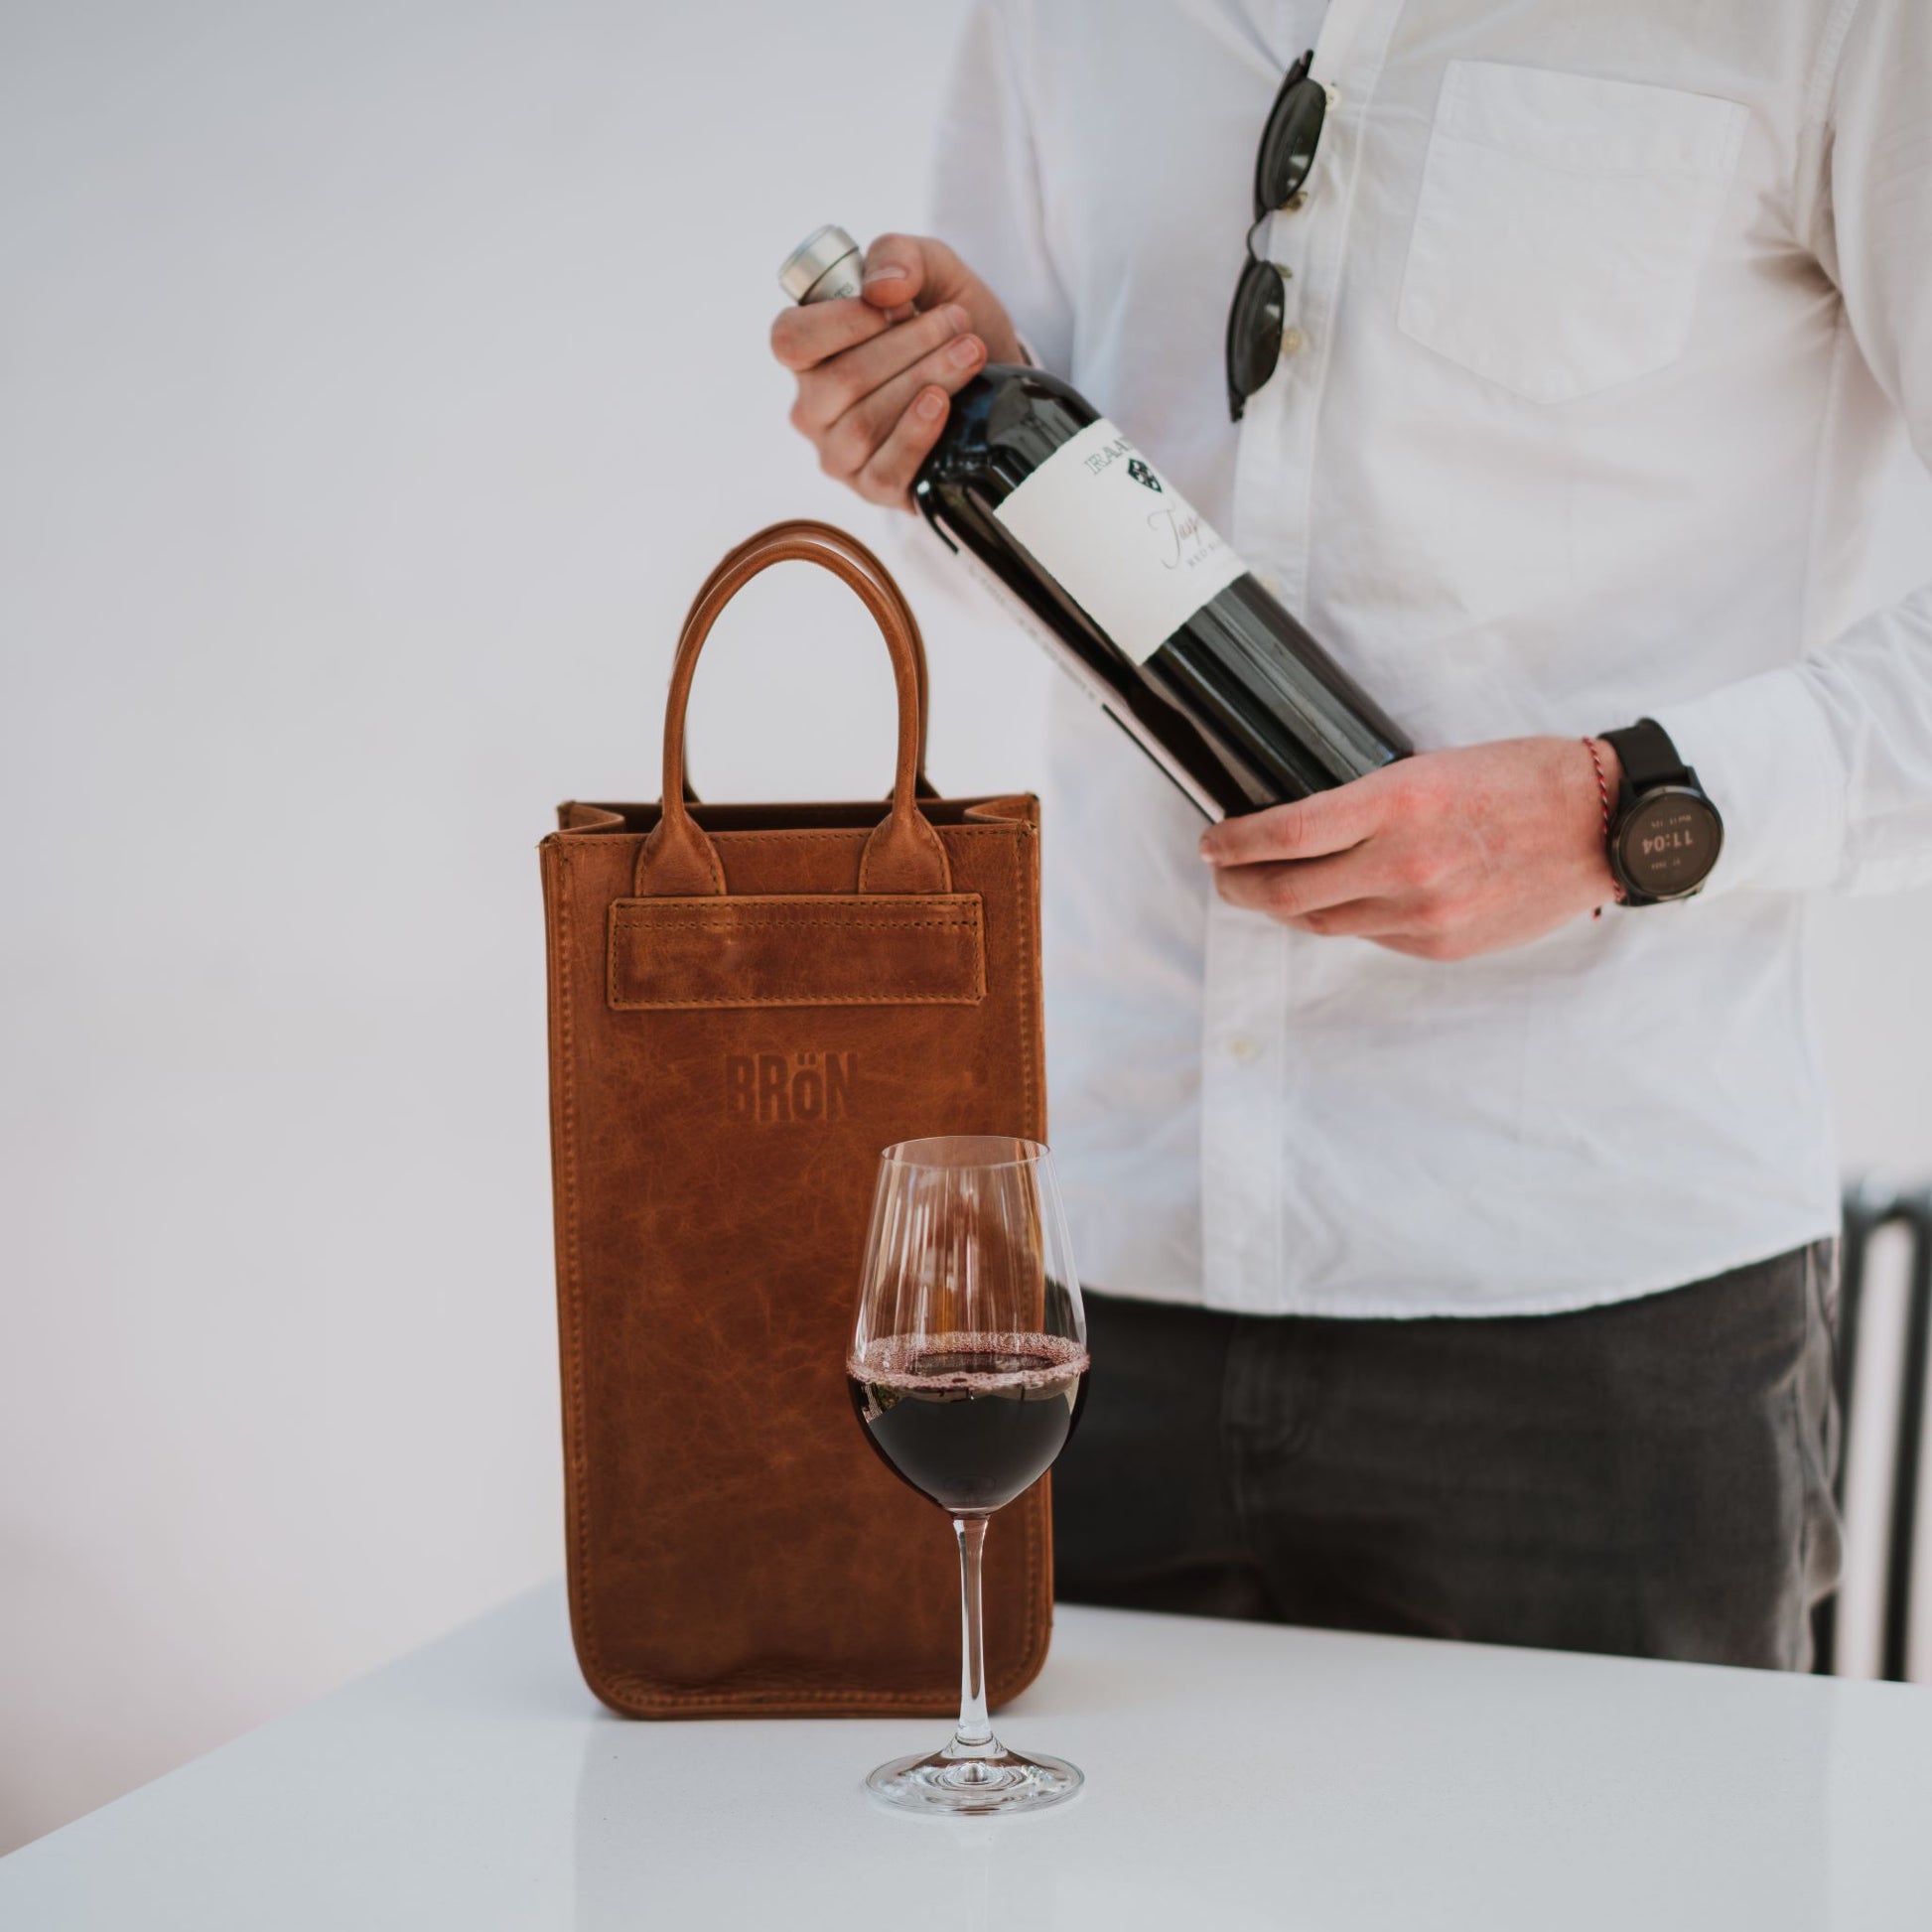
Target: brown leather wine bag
[[747, 1004]]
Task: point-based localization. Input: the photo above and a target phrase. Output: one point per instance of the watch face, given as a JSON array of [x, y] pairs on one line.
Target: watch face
[[1669, 842]]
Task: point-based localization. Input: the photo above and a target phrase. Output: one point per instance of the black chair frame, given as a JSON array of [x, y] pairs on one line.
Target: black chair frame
[[1867, 1210]]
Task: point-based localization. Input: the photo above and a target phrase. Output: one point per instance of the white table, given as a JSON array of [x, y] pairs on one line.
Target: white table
[[1238, 1776]]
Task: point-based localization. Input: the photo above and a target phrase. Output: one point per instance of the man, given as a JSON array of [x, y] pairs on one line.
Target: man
[[1466, 1256]]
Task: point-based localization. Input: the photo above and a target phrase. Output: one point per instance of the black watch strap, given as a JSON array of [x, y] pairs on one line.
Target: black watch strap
[[1665, 834], [1647, 755]]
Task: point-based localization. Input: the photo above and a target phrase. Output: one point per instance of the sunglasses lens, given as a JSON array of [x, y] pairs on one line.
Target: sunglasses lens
[[1253, 344], [1288, 144]]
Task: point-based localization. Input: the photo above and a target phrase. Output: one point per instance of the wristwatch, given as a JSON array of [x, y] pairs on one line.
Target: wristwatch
[[1666, 834]]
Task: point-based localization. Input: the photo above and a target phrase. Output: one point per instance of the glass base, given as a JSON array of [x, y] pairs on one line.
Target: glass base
[[1000, 1780]]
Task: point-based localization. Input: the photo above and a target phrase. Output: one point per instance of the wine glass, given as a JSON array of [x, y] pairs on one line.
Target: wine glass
[[968, 1367]]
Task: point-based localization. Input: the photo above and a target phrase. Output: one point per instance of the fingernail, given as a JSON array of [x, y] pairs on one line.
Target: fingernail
[[930, 403], [957, 317], [884, 272], [1206, 850], [965, 351]]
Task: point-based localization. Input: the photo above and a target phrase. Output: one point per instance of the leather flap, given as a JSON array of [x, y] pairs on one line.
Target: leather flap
[[839, 950]]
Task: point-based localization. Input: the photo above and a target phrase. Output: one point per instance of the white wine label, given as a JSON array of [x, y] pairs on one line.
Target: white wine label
[[1120, 538]]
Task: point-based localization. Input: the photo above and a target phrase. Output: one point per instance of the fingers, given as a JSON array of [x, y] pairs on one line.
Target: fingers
[[849, 444], [1292, 890], [1308, 828], [848, 380], [1395, 930], [888, 476], [876, 374], [914, 268], [1346, 906], [804, 337], [1453, 853]]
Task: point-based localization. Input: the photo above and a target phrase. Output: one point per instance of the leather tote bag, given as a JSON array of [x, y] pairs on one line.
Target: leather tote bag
[[747, 1004]]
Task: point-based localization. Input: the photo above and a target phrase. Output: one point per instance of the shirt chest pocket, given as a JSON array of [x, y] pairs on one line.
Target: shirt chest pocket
[[1563, 225]]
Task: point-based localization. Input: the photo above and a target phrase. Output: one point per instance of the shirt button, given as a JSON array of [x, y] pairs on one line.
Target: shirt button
[[1243, 1048], [1293, 342], [1334, 97]]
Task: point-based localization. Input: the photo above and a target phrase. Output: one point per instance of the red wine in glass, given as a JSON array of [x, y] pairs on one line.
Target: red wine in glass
[[967, 1364], [970, 1421]]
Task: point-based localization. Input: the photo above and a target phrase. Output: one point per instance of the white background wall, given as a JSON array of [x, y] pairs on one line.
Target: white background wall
[[376, 382]]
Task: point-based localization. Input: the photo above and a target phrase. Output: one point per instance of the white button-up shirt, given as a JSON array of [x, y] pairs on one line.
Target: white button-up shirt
[[1604, 319]]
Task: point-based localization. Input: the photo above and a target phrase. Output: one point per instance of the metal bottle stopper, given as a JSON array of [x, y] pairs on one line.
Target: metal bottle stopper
[[827, 264]]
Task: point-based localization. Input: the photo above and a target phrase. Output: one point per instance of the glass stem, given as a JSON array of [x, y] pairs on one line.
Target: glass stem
[[975, 1734]]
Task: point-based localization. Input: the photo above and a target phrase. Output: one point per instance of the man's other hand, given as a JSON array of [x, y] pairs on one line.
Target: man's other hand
[[1443, 856], [877, 371]]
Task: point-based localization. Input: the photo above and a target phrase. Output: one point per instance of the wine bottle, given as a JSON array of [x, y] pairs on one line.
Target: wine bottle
[[1159, 620]]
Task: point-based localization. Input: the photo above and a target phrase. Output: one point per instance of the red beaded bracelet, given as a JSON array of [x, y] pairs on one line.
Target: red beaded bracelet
[[1604, 793]]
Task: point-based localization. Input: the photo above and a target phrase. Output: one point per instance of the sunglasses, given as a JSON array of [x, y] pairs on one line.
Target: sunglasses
[[1282, 164]]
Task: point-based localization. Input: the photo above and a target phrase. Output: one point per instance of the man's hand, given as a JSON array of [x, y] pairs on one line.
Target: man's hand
[[1443, 856], [877, 371]]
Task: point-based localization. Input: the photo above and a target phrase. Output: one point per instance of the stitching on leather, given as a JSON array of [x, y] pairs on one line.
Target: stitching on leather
[[648, 924], [678, 919], [796, 909], [577, 1460], [1040, 1628], [1026, 1057], [604, 834], [697, 904], [1015, 828], [668, 904], [862, 832], [653, 1697], [712, 860], [802, 999]]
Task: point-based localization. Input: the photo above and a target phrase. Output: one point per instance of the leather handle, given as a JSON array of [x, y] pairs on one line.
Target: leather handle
[[903, 853], [861, 554], [922, 785]]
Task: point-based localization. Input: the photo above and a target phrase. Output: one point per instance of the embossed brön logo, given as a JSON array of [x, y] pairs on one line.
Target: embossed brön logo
[[773, 1088]]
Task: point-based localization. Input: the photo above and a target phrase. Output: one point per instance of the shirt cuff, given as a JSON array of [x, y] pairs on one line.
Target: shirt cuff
[[1764, 755]]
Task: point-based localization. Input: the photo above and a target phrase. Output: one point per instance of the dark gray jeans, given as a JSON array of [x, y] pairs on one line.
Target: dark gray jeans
[[1652, 1477]]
